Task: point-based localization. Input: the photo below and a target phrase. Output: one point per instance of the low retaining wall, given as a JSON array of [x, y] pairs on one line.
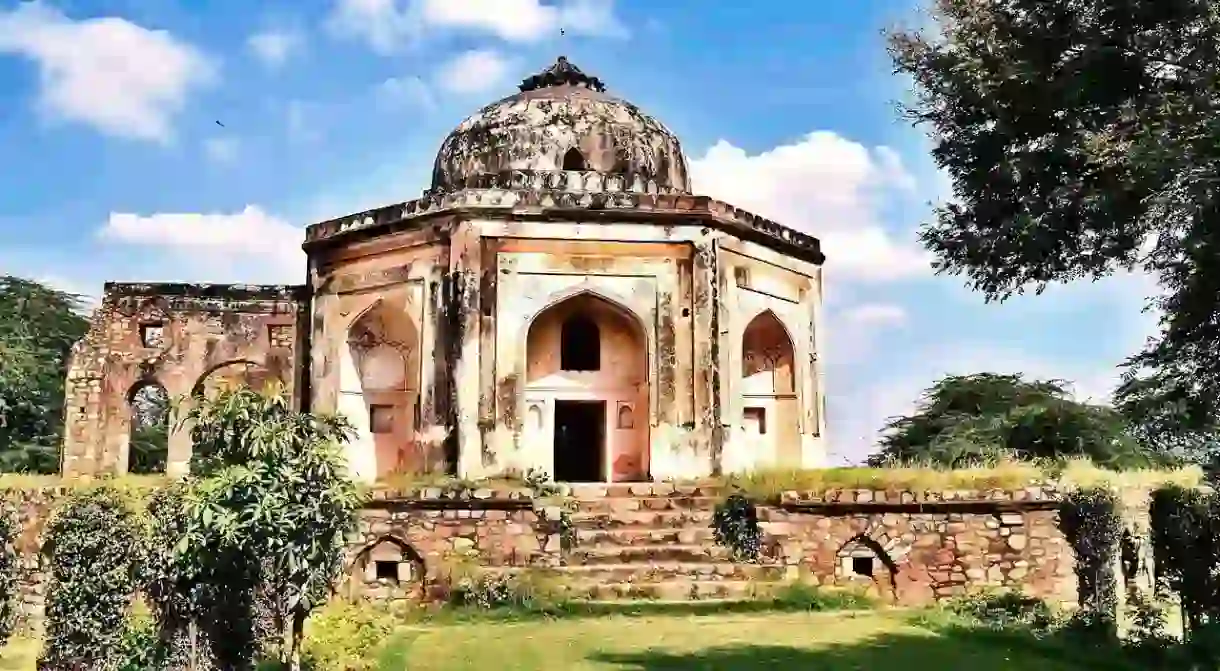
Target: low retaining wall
[[916, 547], [909, 548]]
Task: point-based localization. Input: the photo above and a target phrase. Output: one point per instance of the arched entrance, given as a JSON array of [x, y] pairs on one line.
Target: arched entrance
[[587, 390], [378, 392], [148, 438], [770, 409]]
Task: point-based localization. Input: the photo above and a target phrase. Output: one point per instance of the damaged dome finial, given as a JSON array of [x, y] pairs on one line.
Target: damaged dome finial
[[562, 73]]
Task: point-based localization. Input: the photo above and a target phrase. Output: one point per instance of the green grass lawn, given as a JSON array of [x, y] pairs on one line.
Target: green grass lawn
[[879, 641], [814, 641]]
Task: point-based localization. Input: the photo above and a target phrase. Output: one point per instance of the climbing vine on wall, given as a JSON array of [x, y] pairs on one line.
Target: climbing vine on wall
[[735, 526], [1091, 522], [1186, 551], [93, 547]]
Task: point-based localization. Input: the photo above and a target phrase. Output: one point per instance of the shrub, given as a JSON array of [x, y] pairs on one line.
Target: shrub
[[92, 546], [735, 526], [1186, 550], [1003, 610], [1090, 521], [346, 636], [493, 590]]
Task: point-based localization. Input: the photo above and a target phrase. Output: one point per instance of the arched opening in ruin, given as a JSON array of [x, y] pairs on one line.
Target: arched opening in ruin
[[863, 561], [770, 406], [388, 568], [378, 393], [231, 375], [587, 378], [148, 439], [574, 160]]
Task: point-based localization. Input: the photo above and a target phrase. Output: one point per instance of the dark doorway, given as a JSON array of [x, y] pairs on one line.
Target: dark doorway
[[579, 440]]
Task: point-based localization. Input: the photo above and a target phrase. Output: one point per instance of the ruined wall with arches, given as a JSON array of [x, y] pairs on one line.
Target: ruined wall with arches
[[148, 343]]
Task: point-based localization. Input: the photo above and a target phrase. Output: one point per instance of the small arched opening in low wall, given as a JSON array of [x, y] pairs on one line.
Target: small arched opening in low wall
[[388, 568], [862, 562]]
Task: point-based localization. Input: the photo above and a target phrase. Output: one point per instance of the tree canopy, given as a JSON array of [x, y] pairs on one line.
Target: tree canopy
[[38, 326], [962, 419], [1082, 137]]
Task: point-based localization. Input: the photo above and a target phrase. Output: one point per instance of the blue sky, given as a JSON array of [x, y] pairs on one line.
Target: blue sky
[[113, 165]]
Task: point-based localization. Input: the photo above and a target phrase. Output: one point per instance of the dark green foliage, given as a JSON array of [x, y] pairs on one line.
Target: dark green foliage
[[38, 326], [735, 526], [1001, 610], [1186, 548], [92, 547], [1091, 523], [1082, 137], [267, 515], [965, 419]]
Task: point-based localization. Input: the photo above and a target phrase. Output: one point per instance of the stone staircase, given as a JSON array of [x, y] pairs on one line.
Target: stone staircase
[[653, 541]]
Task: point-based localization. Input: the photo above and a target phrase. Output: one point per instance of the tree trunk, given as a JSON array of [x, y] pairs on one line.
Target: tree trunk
[[298, 635]]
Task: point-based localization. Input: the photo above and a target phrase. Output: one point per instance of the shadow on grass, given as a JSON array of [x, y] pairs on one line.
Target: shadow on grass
[[948, 650]]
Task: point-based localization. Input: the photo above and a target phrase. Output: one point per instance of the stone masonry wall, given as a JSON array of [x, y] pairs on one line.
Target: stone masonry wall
[[177, 336], [902, 547], [915, 548]]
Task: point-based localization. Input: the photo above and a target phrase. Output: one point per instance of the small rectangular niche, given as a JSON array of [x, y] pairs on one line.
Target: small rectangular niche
[[862, 566], [755, 420], [387, 570], [381, 418], [152, 335]]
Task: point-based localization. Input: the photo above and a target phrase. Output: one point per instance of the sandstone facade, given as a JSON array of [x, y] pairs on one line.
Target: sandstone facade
[[557, 300]]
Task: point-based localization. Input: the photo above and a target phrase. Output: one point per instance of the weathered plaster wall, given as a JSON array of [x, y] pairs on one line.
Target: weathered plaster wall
[[183, 337], [376, 305], [760, 284]]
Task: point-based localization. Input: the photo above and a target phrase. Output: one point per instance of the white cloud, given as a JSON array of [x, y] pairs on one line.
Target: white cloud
[[112, 74], [473, 71], [220, 149], [387, 25], [827, 186], [246, 246], [274, 47]]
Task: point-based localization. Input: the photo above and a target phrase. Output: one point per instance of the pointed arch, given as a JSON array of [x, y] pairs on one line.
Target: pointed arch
[[770, 391], [862, 557], [768, 355], [581, 397], [148, 405], [379, 388]]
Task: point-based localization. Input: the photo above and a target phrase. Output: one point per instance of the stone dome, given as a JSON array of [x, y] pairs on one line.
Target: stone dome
[[562, 131]]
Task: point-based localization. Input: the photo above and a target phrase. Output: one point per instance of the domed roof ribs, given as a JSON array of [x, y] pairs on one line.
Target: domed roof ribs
[[562, 73]]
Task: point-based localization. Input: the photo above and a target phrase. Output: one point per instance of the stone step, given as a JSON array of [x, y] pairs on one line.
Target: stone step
[[658, 572], [627, 536], [677, 590], [647, 554], [656, 519], [645, 503]]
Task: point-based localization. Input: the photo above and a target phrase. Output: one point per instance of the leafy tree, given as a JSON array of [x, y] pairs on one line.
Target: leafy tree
[[961, 419], [93, 547], [1082, 137], [38, 326], [267, 513]]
